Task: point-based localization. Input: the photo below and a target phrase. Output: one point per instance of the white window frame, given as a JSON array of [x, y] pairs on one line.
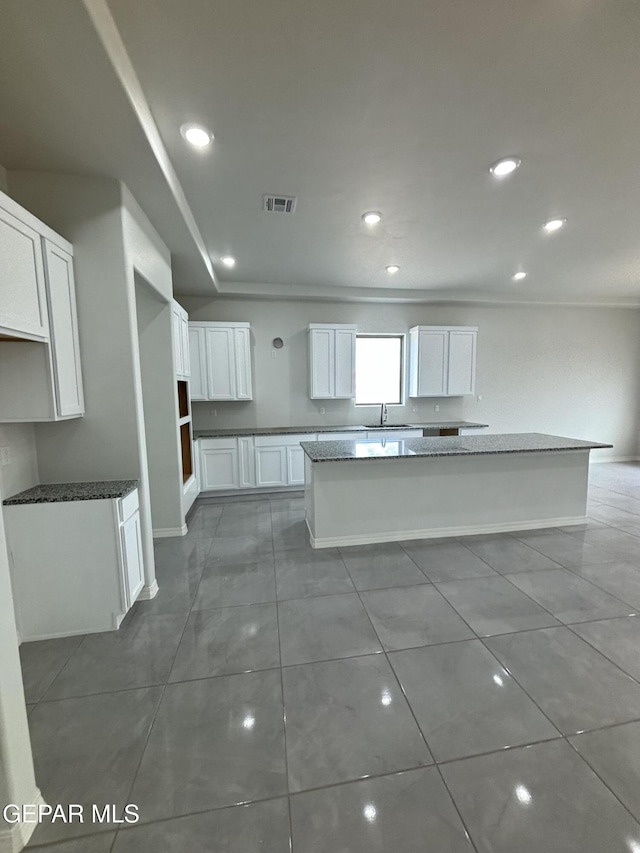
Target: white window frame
[[403, 368]]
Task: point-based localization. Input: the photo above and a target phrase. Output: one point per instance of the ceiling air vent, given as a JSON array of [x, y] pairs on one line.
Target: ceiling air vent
[[279, 203]]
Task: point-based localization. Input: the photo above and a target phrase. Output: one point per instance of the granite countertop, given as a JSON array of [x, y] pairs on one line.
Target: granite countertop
[[58, 492], [408, 448], [355, 428]]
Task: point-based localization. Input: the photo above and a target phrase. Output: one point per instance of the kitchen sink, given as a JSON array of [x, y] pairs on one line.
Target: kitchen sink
[[388, 426]]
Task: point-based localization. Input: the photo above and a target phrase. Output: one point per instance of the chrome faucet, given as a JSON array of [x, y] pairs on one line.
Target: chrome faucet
[[383, 414]]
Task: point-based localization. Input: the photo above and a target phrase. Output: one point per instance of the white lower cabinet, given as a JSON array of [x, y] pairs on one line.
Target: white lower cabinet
[[77, 566], [295, 466], [219, 464], [271, 466], [394, 434]]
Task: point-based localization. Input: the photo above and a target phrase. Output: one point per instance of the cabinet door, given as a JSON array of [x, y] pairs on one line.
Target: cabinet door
[[184, 345], [65, 346], [178, 363], [221, 364], [246, 456], [271, 466], [242, 345], [198, 362], [295, 466], [219, 467], [462, 363], [432, 363], [322, 354], [133, 559], [345, 363], [22, 294]]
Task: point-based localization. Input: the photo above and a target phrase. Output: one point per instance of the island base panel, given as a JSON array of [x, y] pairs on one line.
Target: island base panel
[[361, 501]]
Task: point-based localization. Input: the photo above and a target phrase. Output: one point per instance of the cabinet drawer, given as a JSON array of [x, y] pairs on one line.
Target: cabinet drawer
[[128, 505], [394, 434], [218, 443], [283, 440], [342, 436]]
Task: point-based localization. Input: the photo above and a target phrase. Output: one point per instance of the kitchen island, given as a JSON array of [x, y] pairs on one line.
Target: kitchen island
[[387, 490]]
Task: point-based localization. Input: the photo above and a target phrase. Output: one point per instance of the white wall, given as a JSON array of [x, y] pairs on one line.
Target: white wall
[[158, 392], [563, 370]]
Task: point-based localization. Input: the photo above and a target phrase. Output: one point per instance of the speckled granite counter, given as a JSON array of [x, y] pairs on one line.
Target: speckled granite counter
[[440, 487], [355, 428], [408, 448], [57, 492]]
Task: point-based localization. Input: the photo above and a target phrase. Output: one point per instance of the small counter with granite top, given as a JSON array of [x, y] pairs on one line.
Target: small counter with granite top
[[98, 490], [445, 486]]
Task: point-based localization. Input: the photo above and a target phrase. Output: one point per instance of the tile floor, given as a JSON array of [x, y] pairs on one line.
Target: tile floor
[[480, 694]]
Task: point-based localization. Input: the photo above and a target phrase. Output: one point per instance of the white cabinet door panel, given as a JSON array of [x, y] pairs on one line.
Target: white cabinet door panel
[[198, 364], [432, 364], [22, 294], [219, 467], [345, 363], [221, 364], [295, 465], [247, 459], [271, 466], [242, 345], [133, 559], [64, 331], [184, 345], [322, 355], [462, 363]]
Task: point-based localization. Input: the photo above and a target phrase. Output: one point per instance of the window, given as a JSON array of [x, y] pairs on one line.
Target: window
[[379, 369]]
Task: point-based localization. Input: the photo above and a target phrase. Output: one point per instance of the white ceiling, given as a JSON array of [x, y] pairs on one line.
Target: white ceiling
[[353, 105]]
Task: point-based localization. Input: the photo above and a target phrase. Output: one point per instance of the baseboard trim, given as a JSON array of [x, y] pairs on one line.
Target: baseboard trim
[[167, 532], [593, 461], [263, 490], [149, 592], [14, 837], [440, 532]]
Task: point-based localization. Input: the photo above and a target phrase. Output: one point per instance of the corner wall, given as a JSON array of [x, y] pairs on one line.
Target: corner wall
[[564, 370]]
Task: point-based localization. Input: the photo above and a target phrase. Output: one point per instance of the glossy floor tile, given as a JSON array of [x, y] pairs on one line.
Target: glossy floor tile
[[246, 583], [379, 566], [615, 756], [413, 616], [41, 662], [300, 574], [347, 719], [494, 606], [325, 627], [448, 561], [507, 555], [92, 844], [227, 640], [138, 655], [218, 759], [465, 702], [616, 639], [214, 742], [254, 828], [576, 686], [619, 579], [569, 597], [407, 812], [539, 798], [87, 751]]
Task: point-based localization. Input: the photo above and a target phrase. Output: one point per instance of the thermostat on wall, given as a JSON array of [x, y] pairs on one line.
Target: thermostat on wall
[[278, 343]]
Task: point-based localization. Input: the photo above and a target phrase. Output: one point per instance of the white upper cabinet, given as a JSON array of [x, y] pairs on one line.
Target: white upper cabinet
[[180, 334], [332, 361], [23, 311], [220, 361], [65, 346], [40, 375], [442, 361]]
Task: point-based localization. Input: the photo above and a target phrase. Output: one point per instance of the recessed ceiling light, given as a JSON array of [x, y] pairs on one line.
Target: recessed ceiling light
[[392, 269], [372, 217], [228, 261], [196, 135], [505, 166], [519, 276], [554, 225]]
